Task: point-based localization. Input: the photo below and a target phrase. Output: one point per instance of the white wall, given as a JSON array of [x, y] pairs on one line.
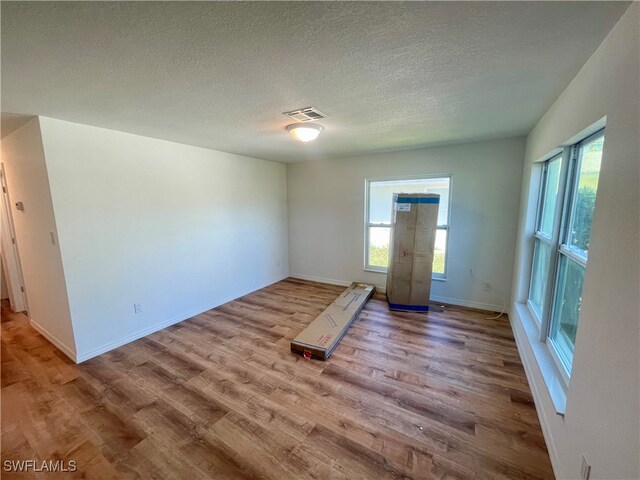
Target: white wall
[[44, 281], [326, 215], [178, 229], [602, 412]]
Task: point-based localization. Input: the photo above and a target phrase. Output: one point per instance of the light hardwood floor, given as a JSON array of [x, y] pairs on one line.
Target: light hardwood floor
[[221, 396]]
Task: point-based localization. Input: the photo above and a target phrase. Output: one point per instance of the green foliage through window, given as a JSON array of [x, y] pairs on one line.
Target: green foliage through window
[[581, 228], [379, 257]]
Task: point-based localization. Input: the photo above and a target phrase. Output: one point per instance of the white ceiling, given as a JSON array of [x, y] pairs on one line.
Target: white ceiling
[[390, 75]]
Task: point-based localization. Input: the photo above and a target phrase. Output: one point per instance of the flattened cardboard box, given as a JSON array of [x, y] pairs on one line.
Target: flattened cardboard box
[[322, 335], [413, 235]]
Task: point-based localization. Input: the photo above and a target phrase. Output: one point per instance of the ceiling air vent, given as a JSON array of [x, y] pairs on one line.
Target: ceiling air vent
[[308, 114]]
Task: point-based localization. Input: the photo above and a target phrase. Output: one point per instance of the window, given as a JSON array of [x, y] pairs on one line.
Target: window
[[543, 237], [378, 219], [561, 244]]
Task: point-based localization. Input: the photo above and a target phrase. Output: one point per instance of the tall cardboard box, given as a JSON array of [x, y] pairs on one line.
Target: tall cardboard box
[[413, 235]]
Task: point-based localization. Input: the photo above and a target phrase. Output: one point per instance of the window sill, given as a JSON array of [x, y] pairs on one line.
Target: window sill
[[384, 272], [527, 332]]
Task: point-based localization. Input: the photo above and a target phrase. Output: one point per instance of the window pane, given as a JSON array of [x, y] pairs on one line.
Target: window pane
[[566, 310], [582, 210], [379, 246], [550, 198], [440, 251], [381, 195], [539, 275]]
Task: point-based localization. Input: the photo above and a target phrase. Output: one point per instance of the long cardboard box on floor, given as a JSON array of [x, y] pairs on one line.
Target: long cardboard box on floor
[[322, 335]]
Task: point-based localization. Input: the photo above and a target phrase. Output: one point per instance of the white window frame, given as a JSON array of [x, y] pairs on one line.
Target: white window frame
[[563, 249], [368, 224], [569, 177], [551, 241]]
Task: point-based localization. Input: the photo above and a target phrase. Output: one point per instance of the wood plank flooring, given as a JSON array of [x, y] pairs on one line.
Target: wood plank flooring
[[220, 396]]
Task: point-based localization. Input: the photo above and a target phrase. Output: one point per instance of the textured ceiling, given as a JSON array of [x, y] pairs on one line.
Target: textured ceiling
[[390, 75]]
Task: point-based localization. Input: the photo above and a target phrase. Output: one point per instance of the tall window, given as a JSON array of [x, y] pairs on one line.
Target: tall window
[[378, 219], [546, 225], [561, 244]]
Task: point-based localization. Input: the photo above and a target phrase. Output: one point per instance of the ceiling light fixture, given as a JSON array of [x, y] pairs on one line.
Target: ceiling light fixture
[[305, 132]]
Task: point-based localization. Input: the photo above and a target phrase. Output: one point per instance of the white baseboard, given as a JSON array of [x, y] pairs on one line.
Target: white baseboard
[[69, 352], [382, 289], [84, 356]]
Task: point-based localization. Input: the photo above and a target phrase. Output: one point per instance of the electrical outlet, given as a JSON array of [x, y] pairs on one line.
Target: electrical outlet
[[585, 470], [137, 307]]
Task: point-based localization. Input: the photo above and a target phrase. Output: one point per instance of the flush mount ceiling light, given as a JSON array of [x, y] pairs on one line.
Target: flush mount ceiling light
[[305, 132]]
